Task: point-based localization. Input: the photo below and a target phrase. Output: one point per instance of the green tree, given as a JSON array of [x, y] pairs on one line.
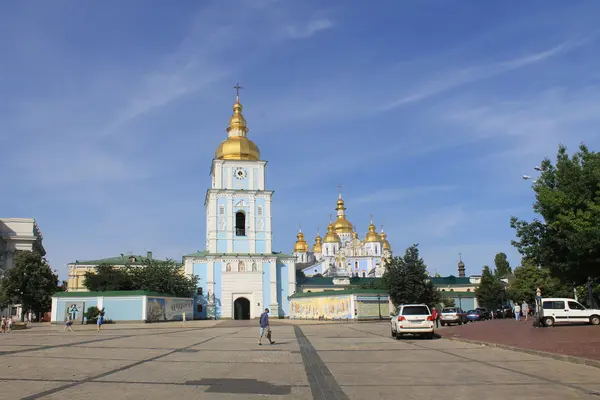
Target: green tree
[[502, 266], [163, 277], [407, 281], [30, 282], [155, 276], [528, 277], [106, 277], [566, 239], [490, 289], [448, 301]]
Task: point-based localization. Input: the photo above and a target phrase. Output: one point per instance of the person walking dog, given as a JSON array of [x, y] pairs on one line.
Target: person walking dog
[[265, 328]]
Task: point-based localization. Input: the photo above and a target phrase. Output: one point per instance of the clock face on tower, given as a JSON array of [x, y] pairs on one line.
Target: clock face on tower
[[240, 173]]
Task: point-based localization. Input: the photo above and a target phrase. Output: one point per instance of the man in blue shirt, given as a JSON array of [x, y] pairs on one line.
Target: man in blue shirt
[[265, 329]]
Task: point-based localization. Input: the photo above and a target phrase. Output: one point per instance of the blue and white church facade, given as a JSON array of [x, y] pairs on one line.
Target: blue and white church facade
[[239, 274]]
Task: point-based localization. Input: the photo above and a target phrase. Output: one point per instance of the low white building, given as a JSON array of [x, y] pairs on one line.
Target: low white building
[[17, 234]]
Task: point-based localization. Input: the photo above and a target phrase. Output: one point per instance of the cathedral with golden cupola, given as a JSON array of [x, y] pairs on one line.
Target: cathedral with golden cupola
[[341, 252], [239, 274]]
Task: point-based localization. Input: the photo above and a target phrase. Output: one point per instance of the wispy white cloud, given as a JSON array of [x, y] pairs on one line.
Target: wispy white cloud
[[462, 76], [306, 30]]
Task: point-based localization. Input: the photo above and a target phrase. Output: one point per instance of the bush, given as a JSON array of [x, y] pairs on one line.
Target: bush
[[91, 314]]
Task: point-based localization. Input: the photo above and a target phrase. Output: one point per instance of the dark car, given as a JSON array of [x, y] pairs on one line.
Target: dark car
[[474, 315], [504, 312], [485, 314]]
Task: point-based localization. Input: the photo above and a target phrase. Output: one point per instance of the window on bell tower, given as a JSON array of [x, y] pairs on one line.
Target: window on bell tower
[[240, 223]]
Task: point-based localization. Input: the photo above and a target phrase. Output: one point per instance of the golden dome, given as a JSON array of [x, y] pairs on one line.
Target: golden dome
[[331, 236], [237, 146], [372, 236], [317, 247], [301, 246], [386, 244], [341, 224], [355, 234]]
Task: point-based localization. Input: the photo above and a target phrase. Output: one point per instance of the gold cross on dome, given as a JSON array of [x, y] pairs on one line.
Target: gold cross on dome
[[237, 88], [339, 188]]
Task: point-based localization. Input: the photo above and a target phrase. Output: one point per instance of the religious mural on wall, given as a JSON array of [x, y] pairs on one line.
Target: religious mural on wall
[[168, 309], [75, 311], [321, 307]]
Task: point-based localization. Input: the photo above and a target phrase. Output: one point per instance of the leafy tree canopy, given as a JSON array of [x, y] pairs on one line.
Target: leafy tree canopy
[[30, 282], [528, 277], [155, 276], [407, 281], [490, 289], [502, 266], [567, 237]]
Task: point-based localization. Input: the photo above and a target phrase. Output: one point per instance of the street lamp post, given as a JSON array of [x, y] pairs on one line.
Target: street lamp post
[[379, 304]]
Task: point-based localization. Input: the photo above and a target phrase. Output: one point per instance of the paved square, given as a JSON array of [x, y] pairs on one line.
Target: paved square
[[221, 360]]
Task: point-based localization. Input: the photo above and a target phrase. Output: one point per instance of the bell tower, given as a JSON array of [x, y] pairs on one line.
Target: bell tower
[[238, 208]]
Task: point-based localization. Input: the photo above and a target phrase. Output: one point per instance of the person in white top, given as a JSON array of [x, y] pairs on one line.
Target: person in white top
[[517, 312]]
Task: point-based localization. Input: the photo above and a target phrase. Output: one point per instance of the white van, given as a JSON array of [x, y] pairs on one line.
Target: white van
[[562, 310]]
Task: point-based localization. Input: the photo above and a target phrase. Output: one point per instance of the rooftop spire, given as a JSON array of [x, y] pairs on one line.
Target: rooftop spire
[[237, 122]]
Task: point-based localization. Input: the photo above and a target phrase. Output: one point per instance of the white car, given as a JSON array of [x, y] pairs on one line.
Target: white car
[[415, 319], [563, 310]]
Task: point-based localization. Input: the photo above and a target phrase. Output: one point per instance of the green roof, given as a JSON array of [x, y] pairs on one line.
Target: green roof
[[339, 293], [207, 254], [123, 259], [112, 294], [464, 295], [450, 280]]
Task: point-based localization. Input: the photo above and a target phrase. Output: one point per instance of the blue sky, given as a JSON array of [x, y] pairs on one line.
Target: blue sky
[[427, 112]]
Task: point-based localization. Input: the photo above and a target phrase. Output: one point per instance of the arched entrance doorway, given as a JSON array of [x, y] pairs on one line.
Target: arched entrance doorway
[[241, 308]]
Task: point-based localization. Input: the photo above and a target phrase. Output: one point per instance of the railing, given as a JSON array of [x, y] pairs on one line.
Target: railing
[[240, 232]]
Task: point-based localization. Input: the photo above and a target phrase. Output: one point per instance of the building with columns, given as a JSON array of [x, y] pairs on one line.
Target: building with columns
[[17, 234], [240, 275], [341, 253]]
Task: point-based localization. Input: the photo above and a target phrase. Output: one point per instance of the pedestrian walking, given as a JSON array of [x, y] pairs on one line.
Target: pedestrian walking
[[3, 325], [435, 316], [517, 312], [69, 324], [265, 328], [100, 321], [9, 324], [183, 316], [525, 309]]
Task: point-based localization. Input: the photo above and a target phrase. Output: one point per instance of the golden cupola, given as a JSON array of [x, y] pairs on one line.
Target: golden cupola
[[386, 244], [301, 246], [372, 235], [341, 224], [331, 236], [237, 146], [318, 247]]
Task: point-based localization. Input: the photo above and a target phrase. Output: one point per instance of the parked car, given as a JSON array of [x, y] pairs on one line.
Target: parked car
[[504, 312], [569, 311], [415, 319], [453, 315], [474, 315], [485, 314]]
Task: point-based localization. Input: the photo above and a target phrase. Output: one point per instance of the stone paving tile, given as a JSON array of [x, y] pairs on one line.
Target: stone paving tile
[[136, 391], [547, 369], [16, 389], [55, 368], [160, 372], [497, 391], [208, 356], [96, 353], [334, 361]]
